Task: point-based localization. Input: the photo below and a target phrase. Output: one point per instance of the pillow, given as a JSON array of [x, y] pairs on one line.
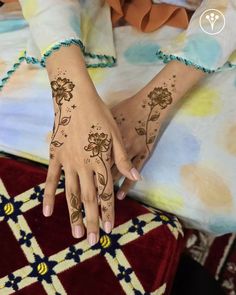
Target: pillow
[[140, 256]]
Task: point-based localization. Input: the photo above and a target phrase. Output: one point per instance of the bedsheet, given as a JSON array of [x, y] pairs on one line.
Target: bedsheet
[[192, 171]]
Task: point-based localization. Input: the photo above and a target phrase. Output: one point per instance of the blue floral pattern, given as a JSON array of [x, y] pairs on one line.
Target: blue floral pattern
[[9, 208], [108, 243], [124, 273], [13, 282], [137, 226], [25, 238], [38, 194], [74, 254], [42, 269]]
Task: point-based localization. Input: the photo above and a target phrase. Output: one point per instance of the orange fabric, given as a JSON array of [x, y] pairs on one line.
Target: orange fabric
[[147, 16]]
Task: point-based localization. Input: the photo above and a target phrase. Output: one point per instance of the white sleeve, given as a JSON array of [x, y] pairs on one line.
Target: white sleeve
[[56, 23], [210, 39]]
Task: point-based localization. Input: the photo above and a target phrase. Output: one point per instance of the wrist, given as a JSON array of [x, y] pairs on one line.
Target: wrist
[[169, 82]]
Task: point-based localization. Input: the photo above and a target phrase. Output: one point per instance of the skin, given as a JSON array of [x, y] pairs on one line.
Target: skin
[[141, 117], [96, 146], [85, 137]]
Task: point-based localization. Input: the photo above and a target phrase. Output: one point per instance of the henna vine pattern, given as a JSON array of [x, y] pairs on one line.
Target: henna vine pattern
[[99, 143], [119, 119], [158, 99], [62, 93], [77, 208]]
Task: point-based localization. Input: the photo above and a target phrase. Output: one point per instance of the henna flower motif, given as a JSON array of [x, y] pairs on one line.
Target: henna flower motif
[[98, 143], [160, 96], [61, 90]]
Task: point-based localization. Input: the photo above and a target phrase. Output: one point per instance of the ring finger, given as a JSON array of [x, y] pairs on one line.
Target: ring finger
[[106, 196]]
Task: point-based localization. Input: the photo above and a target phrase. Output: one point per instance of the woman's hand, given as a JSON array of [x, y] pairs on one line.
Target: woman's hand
[[141, 117], [85, 136]]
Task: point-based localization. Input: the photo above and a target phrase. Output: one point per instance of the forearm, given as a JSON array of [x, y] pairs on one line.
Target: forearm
[[69, 63], [185, 78]]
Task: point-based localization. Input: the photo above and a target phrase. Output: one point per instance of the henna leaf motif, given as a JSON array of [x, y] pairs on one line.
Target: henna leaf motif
[[105, 196], [75, 216], [56, 143], [154, 117], [74, 201], [140, 131], [151, 139], [101, 179], [65, 121]]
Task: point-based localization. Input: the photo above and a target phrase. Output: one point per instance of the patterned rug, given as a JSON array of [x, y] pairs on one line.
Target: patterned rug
[[39, 255], [217, 255]]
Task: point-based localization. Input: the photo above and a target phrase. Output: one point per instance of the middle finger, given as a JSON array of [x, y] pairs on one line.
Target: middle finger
[[89, 198]]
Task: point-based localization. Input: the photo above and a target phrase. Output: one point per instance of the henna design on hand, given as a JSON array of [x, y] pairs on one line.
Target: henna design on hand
[[158, 99], [62, 89], [104, 209], [77, 208], [119, 119], [99, 143]]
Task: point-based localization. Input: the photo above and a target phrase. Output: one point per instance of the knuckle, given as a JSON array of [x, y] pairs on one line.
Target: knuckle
[[51, 178], [47, 198], [92, 223], [79, 221], [47, 195], [122, 159], [89, 198]]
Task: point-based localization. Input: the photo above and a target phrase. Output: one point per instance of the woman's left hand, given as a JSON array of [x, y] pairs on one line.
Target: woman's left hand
[[140, 117], [139, 120]]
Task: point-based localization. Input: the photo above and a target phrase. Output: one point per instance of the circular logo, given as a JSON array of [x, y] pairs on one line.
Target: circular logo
[[212, 21]]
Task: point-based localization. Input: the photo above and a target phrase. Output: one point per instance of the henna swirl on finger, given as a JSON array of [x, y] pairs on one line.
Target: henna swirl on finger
[[76, 208]]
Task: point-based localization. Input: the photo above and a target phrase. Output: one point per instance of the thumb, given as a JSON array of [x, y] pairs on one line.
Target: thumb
[[121, 159]]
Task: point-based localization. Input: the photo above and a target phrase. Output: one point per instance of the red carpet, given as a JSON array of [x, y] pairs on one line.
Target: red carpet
[[39, 255]]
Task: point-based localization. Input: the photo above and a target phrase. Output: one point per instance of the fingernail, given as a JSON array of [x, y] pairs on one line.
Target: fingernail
[[47, 211], [78, 233], [107, 227], [92, 239], [120, 195], [135, 174]]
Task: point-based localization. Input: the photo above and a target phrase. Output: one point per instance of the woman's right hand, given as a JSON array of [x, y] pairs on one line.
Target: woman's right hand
[[84, 139]]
